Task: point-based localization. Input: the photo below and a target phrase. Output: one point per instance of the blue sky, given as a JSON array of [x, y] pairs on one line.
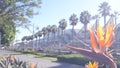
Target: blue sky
[[52, 11]]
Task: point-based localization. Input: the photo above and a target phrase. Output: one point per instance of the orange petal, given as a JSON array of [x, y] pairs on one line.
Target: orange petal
[[93, 40], [110, 41], [109, 35], [90, 65], [95, 65]]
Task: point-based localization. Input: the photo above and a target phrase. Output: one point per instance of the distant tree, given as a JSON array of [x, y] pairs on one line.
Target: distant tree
[[62, 25], [96, 17], [54, 30], [44, 31], [24, 39], [36, 37], [116, 14], [85, 19], [104, 10], [39, 35], [73, 21], [49, 29]]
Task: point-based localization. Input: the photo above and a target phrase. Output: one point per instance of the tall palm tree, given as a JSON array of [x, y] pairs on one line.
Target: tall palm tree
[[116, 14], [62, 25], [104, 11], [39, 35], [96, 17], [49, 31], [36, 37], [30, 39], [44, 31], [54, 30], [73, 21], [24, 39], [85, 19]]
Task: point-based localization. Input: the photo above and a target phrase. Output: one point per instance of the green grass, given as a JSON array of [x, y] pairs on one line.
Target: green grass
[[71, 55], [73, 59], [47, 58]]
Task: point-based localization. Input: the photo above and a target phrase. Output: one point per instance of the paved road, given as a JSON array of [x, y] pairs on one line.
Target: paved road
[[41, 63]]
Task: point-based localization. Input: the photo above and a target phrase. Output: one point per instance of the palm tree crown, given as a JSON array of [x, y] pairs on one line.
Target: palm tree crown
[[104, 9], [73, 19], [62, 24], [85, 17]]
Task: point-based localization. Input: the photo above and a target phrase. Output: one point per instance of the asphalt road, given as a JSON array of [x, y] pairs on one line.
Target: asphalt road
[[41, 63]]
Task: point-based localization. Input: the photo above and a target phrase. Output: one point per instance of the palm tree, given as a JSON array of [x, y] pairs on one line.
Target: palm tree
[[39, 35], [104, 11], [116, 14], [49, 30], [62, 25], [36, 36], [44, 31], [73, 21], [30, 39], [85, 19], [54, 30], [96, 17], [24, 39]]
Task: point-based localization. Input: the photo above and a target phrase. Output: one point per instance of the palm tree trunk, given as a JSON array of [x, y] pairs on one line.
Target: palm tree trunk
[[36, 44], [44, 40], [72, 33], [104, 21], [58, 31], [115, 20], [48, 39], [54, 39], [85, 26], [39, 43]]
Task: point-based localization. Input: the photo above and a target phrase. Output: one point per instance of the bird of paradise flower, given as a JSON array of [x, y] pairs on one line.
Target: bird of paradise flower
[[92, 65], [101, 39]]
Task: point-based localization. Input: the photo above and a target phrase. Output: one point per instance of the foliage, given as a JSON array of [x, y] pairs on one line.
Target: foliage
[[14, 13], [73, 19], [73, 58], [13, 62], [17, 11], [85, 17], [62, 24], [7, 32], [104, 9]]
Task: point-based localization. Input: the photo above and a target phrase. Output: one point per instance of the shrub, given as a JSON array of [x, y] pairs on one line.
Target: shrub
[[73, 59], [12, 62]]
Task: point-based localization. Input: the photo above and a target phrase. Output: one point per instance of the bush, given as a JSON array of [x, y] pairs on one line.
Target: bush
[[73, 59], [12, 62]]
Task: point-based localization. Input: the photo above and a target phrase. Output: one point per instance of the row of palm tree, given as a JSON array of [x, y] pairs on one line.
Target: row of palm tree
[[84, 18]]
